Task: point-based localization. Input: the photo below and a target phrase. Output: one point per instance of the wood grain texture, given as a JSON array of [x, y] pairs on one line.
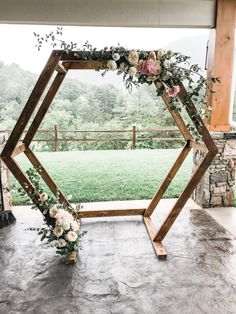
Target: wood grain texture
[[71, 258], [85, 65], [197, 120], [220, 64], [157, 246], [176, 116], [110, 213], [167, 181]]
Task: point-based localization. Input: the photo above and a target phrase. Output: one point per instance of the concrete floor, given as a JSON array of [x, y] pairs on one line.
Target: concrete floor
[[117, 270], [225, 216]]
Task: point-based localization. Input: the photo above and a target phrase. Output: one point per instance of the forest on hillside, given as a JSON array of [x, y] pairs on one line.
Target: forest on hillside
[[85, 107]]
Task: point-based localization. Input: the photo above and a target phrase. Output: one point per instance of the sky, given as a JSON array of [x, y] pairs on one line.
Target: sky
[[17, 43]]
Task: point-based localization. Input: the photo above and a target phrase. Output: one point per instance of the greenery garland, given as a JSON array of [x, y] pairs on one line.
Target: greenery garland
[[169, 68]]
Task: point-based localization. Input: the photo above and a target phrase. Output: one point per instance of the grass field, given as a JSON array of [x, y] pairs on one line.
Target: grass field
[[111, 175]]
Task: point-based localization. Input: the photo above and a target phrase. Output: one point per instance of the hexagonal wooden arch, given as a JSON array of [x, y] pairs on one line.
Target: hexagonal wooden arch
[[61, 62]]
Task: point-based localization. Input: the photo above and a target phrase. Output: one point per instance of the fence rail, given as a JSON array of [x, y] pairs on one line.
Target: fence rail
[[134, 131]]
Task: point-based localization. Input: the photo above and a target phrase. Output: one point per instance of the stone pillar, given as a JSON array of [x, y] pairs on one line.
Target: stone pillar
[[216, 188]]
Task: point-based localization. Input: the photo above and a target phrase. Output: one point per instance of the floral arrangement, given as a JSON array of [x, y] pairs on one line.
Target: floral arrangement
[[168, 70], [62, 225]]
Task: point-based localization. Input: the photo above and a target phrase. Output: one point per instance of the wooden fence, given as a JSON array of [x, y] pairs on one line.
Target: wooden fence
[[134, 138]]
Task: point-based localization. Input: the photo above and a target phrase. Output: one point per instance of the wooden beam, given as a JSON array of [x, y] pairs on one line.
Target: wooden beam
[[174, 213], [20, 148], [158, 247], [176, 116], [197, 121], [19, 174], [208, 141], [43, 108], [220, 64], [167, 181], [32, 102], [48, 180], [71, 257], [85, 65], [110, 213]]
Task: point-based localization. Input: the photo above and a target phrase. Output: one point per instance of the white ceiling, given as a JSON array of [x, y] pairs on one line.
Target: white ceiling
[[133, 13]]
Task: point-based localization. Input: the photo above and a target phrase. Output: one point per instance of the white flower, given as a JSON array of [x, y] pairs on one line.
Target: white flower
[[169, 53], [66, 225], [71, 236], [123, 67], [133, 57], [61, 243], [132, 71], [166, 64], [75, 226], [59, 222], [58, 231], [53, 211], [43, 197], [65, 215], [160, 53], [116, 56], [111, 64]]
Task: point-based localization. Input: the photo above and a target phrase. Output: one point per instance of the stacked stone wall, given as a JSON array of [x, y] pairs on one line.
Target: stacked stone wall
[[216, 188]]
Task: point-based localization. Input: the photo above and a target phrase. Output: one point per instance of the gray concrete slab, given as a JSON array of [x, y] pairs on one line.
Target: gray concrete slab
[[117, 271], [225, 216]]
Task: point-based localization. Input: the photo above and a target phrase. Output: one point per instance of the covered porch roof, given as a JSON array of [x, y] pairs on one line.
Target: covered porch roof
[[133, 13]]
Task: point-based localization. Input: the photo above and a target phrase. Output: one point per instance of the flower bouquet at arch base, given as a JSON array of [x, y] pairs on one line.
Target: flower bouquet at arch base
[[61, 226]]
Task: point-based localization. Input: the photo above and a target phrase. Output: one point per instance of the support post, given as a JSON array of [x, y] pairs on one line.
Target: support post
[[220, 64], [55, 138], [134, 137]]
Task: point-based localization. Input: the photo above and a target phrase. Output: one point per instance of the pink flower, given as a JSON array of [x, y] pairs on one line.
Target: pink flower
[[150, 67], [173, 91]]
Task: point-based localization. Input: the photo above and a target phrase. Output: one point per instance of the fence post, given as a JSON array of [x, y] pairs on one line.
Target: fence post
[[55, 138], [134, 138]]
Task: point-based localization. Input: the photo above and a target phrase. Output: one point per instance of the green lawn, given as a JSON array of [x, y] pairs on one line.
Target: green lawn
[[112, 175]]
